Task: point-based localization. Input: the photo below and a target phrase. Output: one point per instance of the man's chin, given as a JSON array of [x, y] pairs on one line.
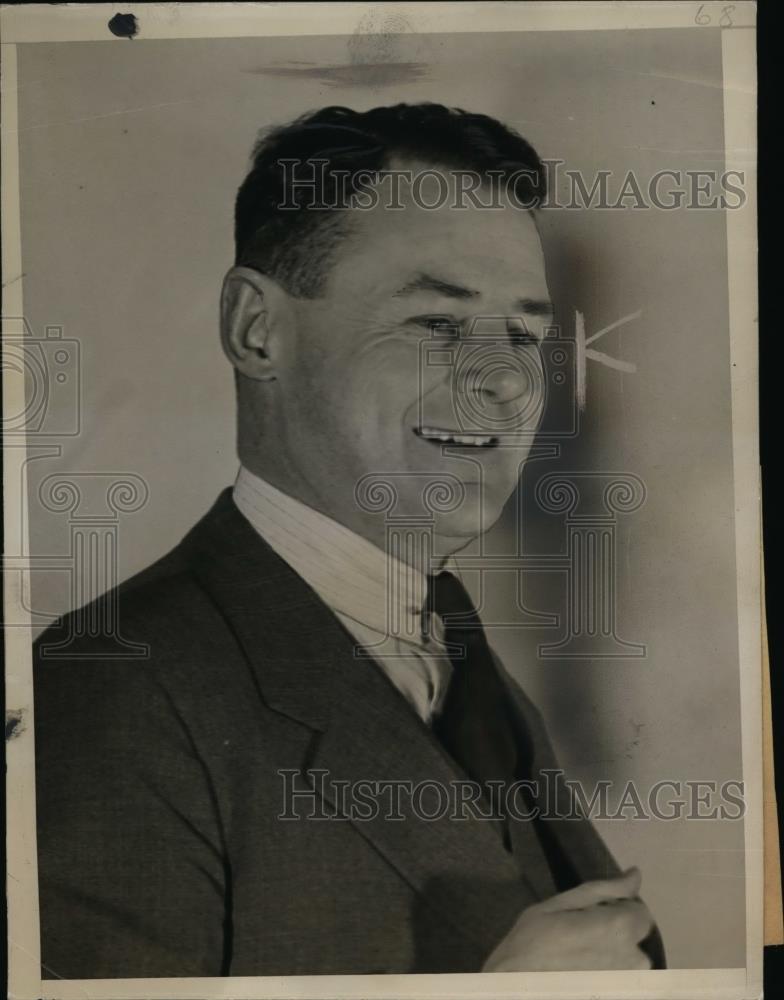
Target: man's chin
[[471, 519]]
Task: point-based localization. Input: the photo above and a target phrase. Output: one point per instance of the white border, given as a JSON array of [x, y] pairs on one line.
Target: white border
[[38, 23], [740, 138], [24, 955], [87, 22]]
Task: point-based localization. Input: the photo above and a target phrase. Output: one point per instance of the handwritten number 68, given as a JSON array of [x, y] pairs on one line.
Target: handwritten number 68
[[725, 20]]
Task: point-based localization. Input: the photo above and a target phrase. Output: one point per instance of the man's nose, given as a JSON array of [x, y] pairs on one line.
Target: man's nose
[[502, 383], [496, 373], [497, 381]]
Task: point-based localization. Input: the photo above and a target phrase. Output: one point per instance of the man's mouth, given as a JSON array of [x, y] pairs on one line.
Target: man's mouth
[[441, 435]]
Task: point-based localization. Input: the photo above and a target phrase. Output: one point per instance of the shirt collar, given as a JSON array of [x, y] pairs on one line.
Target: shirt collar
[[349, 573]]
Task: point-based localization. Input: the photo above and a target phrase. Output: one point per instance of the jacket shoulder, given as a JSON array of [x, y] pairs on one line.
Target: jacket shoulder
[[155, 649]]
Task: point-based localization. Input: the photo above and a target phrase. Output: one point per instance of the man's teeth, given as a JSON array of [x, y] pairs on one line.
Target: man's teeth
[[449, 437]]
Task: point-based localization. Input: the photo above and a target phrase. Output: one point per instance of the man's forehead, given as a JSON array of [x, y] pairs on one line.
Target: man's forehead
[[505, 220], [448, 253]]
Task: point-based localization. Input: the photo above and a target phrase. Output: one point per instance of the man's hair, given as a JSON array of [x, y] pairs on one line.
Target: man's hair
[[334, 151]]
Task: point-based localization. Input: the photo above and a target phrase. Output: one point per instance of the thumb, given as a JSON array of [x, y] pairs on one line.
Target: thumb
[[625, 886]]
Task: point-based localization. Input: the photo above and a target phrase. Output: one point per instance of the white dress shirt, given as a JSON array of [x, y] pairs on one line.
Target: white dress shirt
[[351, 576]]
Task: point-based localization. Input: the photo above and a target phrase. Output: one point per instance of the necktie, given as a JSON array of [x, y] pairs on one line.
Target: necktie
[[475, 725]]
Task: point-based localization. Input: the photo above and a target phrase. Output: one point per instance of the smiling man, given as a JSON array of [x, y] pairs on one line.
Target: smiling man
[[216, 809]]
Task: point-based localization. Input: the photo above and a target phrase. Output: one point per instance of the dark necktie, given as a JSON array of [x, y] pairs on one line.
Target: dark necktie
[[475, 724]]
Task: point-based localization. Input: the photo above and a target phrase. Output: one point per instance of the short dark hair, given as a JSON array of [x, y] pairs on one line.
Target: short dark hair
[[294, 246]]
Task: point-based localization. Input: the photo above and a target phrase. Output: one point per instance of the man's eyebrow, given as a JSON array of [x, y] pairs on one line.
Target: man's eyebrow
[[427, 283], [535, 307]]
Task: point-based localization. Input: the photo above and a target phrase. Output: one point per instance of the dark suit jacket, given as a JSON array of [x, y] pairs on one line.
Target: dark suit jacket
[[160, 848]]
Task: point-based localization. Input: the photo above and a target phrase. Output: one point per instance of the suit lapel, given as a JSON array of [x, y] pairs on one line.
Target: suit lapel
[[576, 836], [357, 727], [458, 867]]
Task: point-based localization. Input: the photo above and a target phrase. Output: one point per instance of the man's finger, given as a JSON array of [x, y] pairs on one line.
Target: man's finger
[[625, 886]]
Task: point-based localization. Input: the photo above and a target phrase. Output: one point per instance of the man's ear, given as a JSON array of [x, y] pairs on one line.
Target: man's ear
[[250, 308]]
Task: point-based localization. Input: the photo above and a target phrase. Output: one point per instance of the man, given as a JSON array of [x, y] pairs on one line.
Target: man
[[200, 811]]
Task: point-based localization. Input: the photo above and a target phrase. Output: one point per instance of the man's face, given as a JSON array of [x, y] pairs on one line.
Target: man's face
[[420, 363]]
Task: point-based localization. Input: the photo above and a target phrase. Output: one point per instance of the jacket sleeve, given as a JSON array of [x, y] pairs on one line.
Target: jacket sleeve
[[133, 872]]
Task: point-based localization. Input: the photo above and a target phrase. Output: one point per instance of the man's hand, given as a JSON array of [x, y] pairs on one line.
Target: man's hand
[[597, 925]]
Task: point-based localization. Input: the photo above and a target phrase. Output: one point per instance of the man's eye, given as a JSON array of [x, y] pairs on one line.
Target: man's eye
[[522, 338], [442, 326]]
